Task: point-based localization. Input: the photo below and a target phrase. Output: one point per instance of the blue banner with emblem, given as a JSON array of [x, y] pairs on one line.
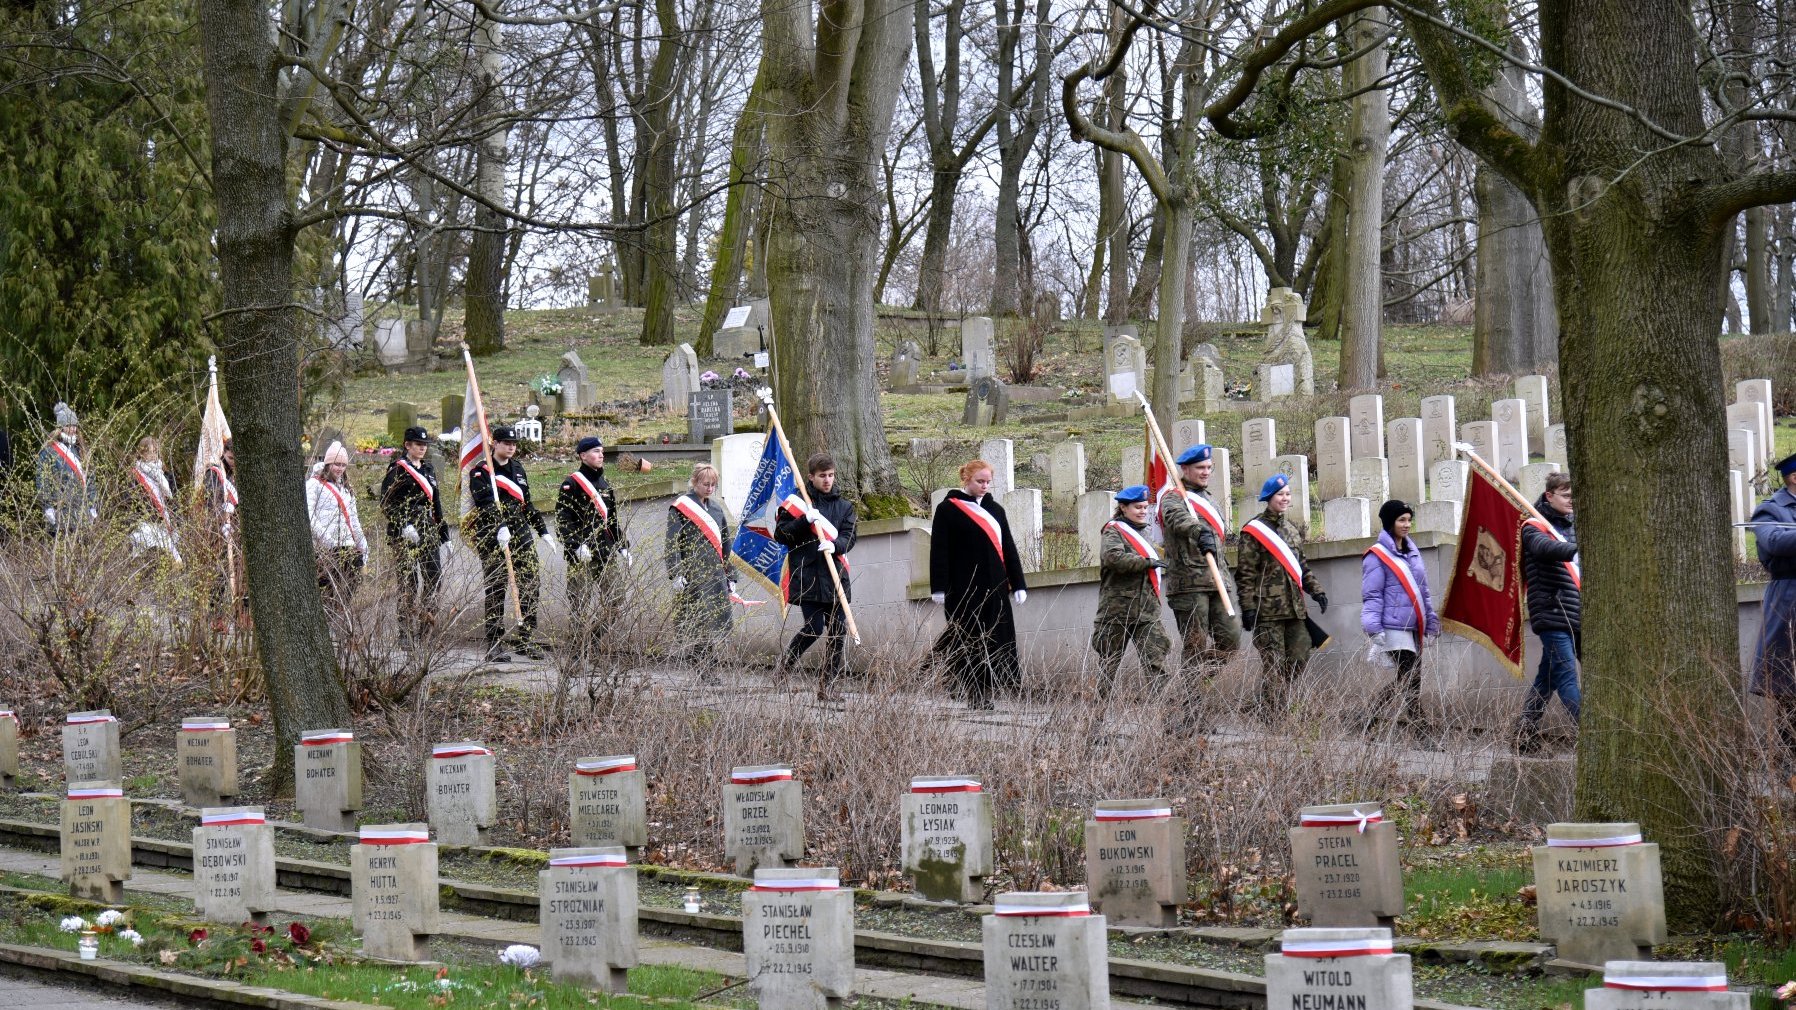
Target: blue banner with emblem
[[754, 549]]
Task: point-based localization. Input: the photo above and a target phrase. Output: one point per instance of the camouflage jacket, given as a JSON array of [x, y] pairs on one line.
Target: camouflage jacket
[[1264, 586], [1125, 589], [1188, 535]]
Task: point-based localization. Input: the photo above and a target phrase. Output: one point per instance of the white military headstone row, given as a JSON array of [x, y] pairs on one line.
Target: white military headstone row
[[1334, 455]]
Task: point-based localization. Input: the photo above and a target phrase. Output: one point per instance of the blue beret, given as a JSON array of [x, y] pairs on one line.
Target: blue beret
[[1196, 454], [1274, 484], [1132, 493], [1787, 465], [587, 444]]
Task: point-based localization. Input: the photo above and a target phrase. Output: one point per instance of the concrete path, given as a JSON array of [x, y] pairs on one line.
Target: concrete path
[[30, 993]]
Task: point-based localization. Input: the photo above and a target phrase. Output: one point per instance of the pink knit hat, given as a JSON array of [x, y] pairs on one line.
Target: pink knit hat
[[336, 454]]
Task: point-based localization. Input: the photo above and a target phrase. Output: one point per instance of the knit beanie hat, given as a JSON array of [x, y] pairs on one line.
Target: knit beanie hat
[[1390, 511]]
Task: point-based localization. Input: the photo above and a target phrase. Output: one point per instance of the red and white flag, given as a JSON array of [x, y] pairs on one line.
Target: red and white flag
[[473, 433], [214, 430], [1484, 593]]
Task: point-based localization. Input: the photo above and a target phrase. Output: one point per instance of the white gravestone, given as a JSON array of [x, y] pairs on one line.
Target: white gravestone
[[607, 803], [1740, 504], [1665, 985], [1756, 418], [1338, 969], [1532, 481], [1482, 437], [90, 751], [1259, 444], [736, 457], [1440, 427], [763, 817], [1001, 454], [233, 865], [1297, 468], [1369, 478], [207, 750], [1275, 381], [1135, 862], [1599, 892], [1555, 446], [1045, 951], [1186, 434], [327, 779], [389, 341], [1347, 518], [1447, 479], [946, 837], [1345, 865], [1532, 391], [393, 890], [1134, 465], [9, 747], [1742, 450], [1408, 475], [1438, 515], [1067, 472], [798, 939], [1022, 506], [1334, 451], [586, 904], [1222, 484], [977, 352], [1753, 391], [1125, 367], [679, 379], [1511, 418], [1095, 509], [1366, 412], [460, 792], [96, 841]]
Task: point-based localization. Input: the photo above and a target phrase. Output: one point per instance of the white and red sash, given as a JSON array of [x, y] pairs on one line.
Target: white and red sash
[[1275, 545], [1407, 579], [598, 500], [70, 460], [700, 517], [355, 534], [1140, 546], [509, 486], [985, 521], [1203, 508], [1571, 567], [430, 493], [155, 495], [225, 484]]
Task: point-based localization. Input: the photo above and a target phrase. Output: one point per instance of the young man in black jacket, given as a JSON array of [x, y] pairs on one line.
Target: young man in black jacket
[[819, 537], [1555, 608], [415, 532], [586, 517]]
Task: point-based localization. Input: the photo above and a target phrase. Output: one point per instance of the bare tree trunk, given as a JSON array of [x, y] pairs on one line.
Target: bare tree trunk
[[1018, 126], [1326, 294], [484, 297], [1784, 291], [1147, 278], [1514, 328], [738, 208], [660, 267], [1758, 269], [1362, 302]]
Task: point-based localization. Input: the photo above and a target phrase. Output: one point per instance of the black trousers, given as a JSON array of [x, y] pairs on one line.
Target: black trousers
[[419, 571], [492, 571], [820, 620]]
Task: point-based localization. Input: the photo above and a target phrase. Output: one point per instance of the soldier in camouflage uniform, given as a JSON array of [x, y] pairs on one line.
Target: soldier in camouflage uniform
[[1273, 576], [1210, 634], [1129, 592]]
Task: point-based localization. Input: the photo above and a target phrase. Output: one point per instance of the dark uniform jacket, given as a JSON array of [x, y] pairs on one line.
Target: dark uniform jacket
[[577, 518], [405, 503], [488, 515], [1554, 603], [808, 580], [1188, 536], [1264, 586]]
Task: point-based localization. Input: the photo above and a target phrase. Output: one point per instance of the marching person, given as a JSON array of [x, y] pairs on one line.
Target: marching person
[[822, 535], [586, 518], [976, 573], [415, 532], [68, 499], [503, 516], [1129, 591], [1396, 611], [1194, 537], [1774, 667], [336, 527], [698, 564], [219, 489], [1274, 577], [1555, 608], [155, 508]]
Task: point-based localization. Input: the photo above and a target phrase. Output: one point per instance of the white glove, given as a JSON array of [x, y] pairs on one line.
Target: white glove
[[1020, 597], [584, 553], [732, 587], [225, 529], [1378, 641], [230, 507], [629, 561], [826, 547], [813, 514], [504, 535], [938, 598], [50, 516], [93, 513], [410, 533], [679, 582], [824, 529]]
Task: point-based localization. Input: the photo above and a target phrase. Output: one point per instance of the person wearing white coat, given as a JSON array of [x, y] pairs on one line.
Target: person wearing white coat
[[336, 527]]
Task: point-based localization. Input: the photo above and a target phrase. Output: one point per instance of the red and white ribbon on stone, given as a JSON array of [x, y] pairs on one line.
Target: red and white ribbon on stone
[[204, 725], [606, 765], [458, 750], [324, 737], [605, 859], [230, 818], [394, 836], [741, 777], [1107, 814], [798, 884], [97, 793], [1594, 843], [89, 718], [1356, 819], [1066, 911], [944, 784], [1666, 983], [1275, 545], [1357, 947], [7, 713]]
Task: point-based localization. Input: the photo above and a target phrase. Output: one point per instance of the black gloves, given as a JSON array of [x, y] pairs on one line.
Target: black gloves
[[1156, 563], [1249, 618], [1321, 601]]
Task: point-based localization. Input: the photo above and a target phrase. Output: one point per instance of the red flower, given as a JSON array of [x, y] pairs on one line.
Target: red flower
[[196, 937], [299, 934], [258, 945]]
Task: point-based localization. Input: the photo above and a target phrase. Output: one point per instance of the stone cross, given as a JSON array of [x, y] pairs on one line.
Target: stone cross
[[1665, 985], [1067, 472], [1095, 509], [1440, 427], [946, 837], [9, 747], [1045, 950], [1369, 477], [1532, 391], [1366, 412], [207, 751], [977, 351], [607, 802], [1344, 859], [679, 379], [1511, 417], [988, 402], [327, 778], [1135, 862], [1022, 506], [1334, 451], [1600, 895], [1001, 454], [233, 865], [460, 793], [763, 817], [798, 939], [1408, 475], [1347, 518], [96, 841], [586, 903], [90, 750], [393, 890], [1338, 968]]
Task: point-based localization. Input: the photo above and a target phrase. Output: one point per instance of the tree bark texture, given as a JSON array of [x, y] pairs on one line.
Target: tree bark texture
[[1369, 136], [738, 208], [484, 294], [1759, 295], [1515, 330], [1019, 123], [660, 265]]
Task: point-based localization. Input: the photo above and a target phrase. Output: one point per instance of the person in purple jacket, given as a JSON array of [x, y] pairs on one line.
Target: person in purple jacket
[[1396, 611]]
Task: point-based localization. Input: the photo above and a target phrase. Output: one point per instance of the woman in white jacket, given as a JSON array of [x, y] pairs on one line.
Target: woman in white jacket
[[336, 527]]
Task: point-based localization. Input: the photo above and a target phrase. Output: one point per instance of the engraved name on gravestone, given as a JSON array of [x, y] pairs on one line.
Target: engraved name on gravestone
[[233, 864], [798, 938], [1440, 426], [1344, 859], [393, 890], [327, 778], [9, 747], [1045, 951], [710, 416], [763, 817], [947, 837], [608, 802], [90, 747], [1135, 862], [206, 748], [96, 841], [1599, 892], [460, 793], [1338, 969], [586, 903], [1665, 985]]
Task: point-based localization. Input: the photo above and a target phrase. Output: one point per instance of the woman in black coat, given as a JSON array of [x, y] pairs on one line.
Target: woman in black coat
[[977, 574]]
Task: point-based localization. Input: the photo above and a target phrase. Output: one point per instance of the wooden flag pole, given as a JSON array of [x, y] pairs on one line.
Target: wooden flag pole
[[1508, 489], [486, 451], [804, 491], [1172, 473]]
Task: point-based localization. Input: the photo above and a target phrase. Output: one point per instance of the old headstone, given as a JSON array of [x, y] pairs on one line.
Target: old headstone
[[1532, 391], [946, 837], [1274, 381], [1347, 518], [1095, 509], [401, 414], [1001, 454], [1665, 985], [1222, 483], [1045, 951], [1134, 465], [207, 752], [1135, 862], [1447, 479], [1438, 515], [735, 342], [9, 747], [709, 415], [1555, 446], [1599, 892], [233, 864], [679, 379], [1283, 315], [763, 817], [798, 939], [1297, 468], [607, 803], [1408, 475], [1754, 391], [460, 792], [451, 407], [1208, 384], [1740, 503], [327, 779], [978, 352], [1338, 969], [1366, 415], [1511, 417], [393, 890], [576, 383], [1334, 450], [1259, 444], [1440, 427], [389, 341], [1125, 367], [1067, 472], [1756, 418], [1368, 477], [903, 373], [90, 750], [1532, 481], [1743, 451], [1023, 508], [736, 457], [586, 903], [1482, 437], [96, 841], [1344, 859], [1186, 434], [988, 402]]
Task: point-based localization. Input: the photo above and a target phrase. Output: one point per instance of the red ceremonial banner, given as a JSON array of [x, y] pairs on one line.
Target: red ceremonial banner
[[1484, 594]]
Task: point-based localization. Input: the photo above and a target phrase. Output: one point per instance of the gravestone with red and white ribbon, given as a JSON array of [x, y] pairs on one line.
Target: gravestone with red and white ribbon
[[327, 778], [586, 903], [607, 802], [460, 793], [798, 938], [947, 837], [763, 817], [1344, 859], [9, 745], [393, 890], [1045, 950], [1338, 967], [90, 751], [233, 864], [206, 756], [1665, 985], [1135, 862], [96, 840], [1599, 892]]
